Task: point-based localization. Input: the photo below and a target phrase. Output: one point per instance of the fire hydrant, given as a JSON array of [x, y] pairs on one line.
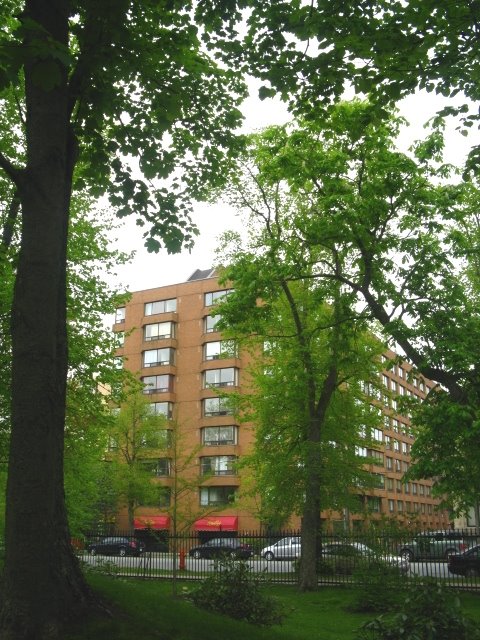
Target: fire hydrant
[[182, 555]]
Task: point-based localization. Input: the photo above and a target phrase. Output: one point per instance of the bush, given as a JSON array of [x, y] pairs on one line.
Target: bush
[[429, 612], [236, 591], [381, 587]]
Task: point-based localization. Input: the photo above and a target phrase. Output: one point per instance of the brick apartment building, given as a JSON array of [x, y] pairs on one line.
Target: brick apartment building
[[169, 340]]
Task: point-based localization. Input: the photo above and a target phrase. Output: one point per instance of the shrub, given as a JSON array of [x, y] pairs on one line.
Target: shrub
[[381, 586], [429, 612], [236, 591]]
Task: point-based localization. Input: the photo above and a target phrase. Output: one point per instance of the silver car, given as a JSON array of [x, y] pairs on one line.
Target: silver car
[[284, 549], [353, 550]]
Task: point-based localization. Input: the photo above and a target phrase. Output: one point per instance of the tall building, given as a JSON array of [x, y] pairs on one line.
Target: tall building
[[169, 340]]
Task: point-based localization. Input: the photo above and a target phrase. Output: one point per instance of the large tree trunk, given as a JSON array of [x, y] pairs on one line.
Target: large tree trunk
[[43, 585]]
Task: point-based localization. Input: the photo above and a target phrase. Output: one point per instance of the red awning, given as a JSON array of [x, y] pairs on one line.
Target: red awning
[[152, 522], [217, 523]]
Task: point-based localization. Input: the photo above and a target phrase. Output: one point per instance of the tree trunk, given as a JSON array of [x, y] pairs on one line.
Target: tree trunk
[[43, 584]]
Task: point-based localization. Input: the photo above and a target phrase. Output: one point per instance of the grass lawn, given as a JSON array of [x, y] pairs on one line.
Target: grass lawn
[[147, 610]]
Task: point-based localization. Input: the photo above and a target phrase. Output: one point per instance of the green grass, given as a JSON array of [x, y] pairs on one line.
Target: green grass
[[148, 610]]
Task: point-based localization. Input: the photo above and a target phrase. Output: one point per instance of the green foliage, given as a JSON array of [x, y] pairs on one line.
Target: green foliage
[[381, 586], [429, 611], [236, 591], [310, 55], [445, 426]]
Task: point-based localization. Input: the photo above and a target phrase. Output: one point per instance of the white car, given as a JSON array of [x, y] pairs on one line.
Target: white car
[[284, 549]]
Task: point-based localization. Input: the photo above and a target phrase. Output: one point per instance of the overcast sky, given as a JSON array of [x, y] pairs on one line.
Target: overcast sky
[[154, 270]]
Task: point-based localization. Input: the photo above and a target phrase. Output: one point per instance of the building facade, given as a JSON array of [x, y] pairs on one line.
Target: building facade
[[169, 340]]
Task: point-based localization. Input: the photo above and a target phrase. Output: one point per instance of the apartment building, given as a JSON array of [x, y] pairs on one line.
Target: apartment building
[[169, 340]]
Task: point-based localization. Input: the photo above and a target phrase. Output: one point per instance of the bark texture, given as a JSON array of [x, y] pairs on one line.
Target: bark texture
[[43, 585]]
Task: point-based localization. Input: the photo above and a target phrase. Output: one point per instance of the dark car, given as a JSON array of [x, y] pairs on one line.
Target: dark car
[[466, 563], [218, 547], [433, 545], [116, 546]]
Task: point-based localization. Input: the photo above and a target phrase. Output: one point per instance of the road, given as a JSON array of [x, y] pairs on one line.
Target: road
[[151, 563]]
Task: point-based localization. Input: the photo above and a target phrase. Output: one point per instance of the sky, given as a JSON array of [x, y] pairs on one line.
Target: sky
[[148, 271]]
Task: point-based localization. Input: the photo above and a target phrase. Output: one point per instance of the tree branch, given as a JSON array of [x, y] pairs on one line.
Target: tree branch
[[9, 227], [10, 169]]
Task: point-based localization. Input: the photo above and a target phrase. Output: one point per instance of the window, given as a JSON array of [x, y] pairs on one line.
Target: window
[[389, 484], [160, 306], [216, 495], [158, 384], [395, 425], [158, 468], [165, 497], [405, 448], [398, 466], [399, 486], [414, 488], [400, 372], [374, 504], [220, 377], [376, 455], [216, 436], [389, 463], [210, 323], [377, 434], [388, 442], [386, 422], [393, 385], [385, 380], [219, 349], [160, 439], [158, 330], [361, 451], [217, 407], [379, 480], [218, 465], [120, 315], [391, 505], [400, 505], [120, 338], [112, 444], [158, 357], [213, 297], [161, 409], [407, 487], [401, 390], [422, 489], [396, 445]]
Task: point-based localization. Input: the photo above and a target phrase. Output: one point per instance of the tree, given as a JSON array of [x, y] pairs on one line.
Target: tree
[[446, 448], [91, 354], [89, 85], [408, 241], [305, 406], [135, 438], [310, 53]]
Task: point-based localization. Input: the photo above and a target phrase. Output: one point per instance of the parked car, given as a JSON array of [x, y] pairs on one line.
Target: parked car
[[218, 547], [466, 563], [433, 545], [354, 550], [116, 546], [285, 549]]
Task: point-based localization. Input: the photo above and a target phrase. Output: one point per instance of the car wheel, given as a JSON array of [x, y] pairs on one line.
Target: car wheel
[[406, 554], [471, 572], [123, 552], [93, 551], [197, 555], [269, 556]]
